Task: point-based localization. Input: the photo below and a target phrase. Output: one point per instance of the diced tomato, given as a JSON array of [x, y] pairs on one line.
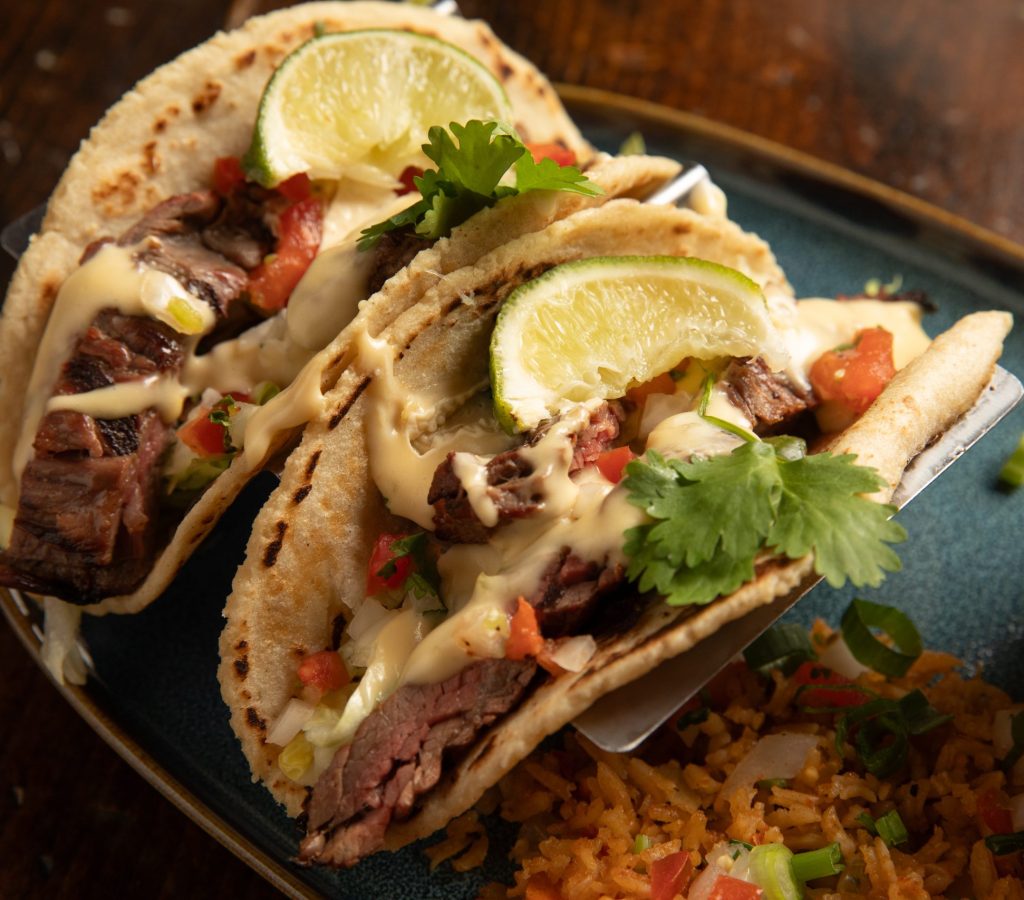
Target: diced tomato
[[662, 384], [822, 688], [561, 155], [524, 637], [540, 888], [729, 888], [670, 875], [611, 463], [324, 670], [995, 817], [227, 175], [380, 556], [295, 188], [272, 282], [204, 437], [406, 178], [847, 381]]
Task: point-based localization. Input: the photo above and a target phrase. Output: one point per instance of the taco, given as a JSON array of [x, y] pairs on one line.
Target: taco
[[426, 596], [143, 330]]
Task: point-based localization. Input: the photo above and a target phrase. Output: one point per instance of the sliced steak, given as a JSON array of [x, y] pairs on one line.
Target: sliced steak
[[393, 251], [570, 592], [86, 524], [397, 754], [766, 398], [511, 486]]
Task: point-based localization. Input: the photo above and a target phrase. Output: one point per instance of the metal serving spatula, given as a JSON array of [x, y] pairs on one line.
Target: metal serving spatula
[[622, 719]]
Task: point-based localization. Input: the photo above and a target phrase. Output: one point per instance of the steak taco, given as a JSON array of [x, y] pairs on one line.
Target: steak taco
[[151, 364], [567, 463]]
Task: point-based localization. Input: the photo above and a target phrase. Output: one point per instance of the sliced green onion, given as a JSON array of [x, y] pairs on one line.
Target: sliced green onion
[[1001, 844], [692, 717], [867, 822], [742, 844], [1012, 472], [891, 829], [770, 867], [641, 843], [919, 714], [768, 783], [264, 392], [784, 645], [1017, 733], [633, 145], [881, 729], [863, 615], [818, 863], [702, 410]]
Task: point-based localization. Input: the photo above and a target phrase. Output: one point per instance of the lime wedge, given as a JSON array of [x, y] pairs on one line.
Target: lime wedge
[[596, 327], [357, 99]]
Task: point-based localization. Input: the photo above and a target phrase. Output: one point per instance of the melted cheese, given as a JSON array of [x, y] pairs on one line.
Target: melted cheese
[[684, 434], [116, 401]]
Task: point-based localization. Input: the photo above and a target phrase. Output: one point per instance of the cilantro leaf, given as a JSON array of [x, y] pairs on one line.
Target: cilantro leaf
[[472, 160], [821, 510], [698, 523], [712, 517], [547, 175]]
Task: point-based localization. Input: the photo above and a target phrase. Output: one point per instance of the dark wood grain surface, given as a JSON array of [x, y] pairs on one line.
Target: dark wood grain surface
[[924, 95]]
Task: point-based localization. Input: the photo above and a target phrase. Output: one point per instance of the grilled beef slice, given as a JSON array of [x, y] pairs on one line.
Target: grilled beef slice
[[768, 399], [511, 487], [397, 755], [87, 523]]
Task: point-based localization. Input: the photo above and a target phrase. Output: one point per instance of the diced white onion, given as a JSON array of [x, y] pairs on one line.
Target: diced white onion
[[704, 882], [774, 756], [1017, 812], [838, 658], [290, 722], [369, 614], [573, 654]]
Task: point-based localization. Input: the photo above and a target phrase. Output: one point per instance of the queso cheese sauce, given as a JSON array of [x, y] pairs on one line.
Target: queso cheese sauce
[[579, 509]]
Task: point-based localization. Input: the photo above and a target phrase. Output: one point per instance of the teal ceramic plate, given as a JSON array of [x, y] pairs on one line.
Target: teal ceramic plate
[[156, 698]]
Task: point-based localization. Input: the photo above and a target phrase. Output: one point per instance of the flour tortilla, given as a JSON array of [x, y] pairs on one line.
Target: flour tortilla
[[163, 137], [306, 558]]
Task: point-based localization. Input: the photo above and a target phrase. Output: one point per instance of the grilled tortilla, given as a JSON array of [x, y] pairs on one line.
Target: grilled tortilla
[[162, 140], [305, 572]]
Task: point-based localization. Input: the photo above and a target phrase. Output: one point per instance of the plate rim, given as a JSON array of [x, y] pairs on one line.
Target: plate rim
[[118, 738]]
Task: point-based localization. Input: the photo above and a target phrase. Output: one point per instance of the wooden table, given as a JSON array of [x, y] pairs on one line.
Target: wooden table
[[924, 95]]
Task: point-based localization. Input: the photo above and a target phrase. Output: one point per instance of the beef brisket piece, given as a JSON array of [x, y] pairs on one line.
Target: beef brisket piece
[[397, 755], [768, 399], [511, 486]]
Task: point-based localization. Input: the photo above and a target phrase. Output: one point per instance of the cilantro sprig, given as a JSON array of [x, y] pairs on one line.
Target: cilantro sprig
[[468, 176], [714, 516]]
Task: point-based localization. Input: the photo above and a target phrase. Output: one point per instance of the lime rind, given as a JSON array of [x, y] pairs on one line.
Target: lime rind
[[593, 328], [366, 97]]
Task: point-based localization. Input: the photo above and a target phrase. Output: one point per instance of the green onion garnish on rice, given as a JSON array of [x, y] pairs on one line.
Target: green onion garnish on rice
[[641, 843], [880, 730], [771, 869], [891, 829], [1001, 844], [819, 863], [1012, 472], [768, 783], [784, 646], [863, 615]]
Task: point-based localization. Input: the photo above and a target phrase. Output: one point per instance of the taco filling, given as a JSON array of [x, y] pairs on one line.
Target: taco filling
[[516, 557]]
